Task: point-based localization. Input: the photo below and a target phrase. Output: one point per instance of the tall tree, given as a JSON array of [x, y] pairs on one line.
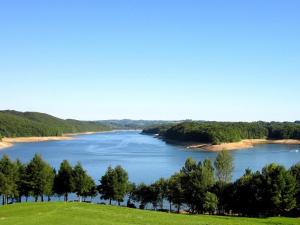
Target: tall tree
[[81, 181], [8, 179], [120, 184], [107, 184], [64, 180], [224, 166], [279, 190], [175, 191], [197, 179], [295, 170], [39, 176]]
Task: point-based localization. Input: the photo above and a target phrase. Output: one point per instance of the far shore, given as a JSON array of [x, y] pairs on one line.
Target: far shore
[[247, 143], [9, 142]]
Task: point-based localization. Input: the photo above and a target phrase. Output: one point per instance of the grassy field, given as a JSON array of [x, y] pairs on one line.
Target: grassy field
[[89, 214]]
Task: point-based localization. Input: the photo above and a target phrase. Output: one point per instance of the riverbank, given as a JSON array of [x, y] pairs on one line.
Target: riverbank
[[247, 143], [8, 142]]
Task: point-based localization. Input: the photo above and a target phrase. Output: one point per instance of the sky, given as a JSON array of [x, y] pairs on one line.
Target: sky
[[170, 60]]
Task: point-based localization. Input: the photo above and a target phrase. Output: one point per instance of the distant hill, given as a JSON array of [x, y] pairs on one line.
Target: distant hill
[[134, 124], [25, 124]]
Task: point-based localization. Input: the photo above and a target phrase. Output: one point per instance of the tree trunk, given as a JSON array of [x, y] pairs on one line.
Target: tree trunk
[[42, 198], [110, 201], [36, 198], [178, 208], [49, 199], [170, 206], [26, 198], [66, 197]]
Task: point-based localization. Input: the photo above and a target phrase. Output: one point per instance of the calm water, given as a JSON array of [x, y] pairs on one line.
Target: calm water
[[144, 157]]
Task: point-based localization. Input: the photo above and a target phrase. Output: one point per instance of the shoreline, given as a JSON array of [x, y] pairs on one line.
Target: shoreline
[[247, 143], [9, 142]]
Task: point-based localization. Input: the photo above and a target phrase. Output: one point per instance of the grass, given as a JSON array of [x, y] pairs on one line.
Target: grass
[[59, 213]]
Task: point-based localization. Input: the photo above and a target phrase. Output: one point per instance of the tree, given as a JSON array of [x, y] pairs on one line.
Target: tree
[[161, 187], [39, 177], [247, 194], [120, 184], [279, 190], [210, 202], [8, 179], [91, 189], [295, 171], [197, 179], [23, 189], [107, 184], [81, 181], [64, 180], [175, 192], [224, 166]]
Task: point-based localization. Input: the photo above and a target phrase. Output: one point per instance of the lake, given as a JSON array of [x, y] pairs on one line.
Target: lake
[[144, 157]]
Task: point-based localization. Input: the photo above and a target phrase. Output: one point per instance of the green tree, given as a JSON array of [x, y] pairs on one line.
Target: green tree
[[120, 184], [90, 190], [39, 177], [210, 202], [175, 192], [197, 179], [224, 166], [64, 180], [279, 190], [8, 179], [107, 184], [161, 187], [295, 171], [81, 181]]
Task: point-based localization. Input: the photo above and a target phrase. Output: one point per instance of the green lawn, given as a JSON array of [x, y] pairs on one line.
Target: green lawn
[[57, 213]]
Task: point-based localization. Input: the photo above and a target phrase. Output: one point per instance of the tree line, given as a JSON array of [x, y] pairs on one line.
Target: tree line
[[221, 132], [199, 187]]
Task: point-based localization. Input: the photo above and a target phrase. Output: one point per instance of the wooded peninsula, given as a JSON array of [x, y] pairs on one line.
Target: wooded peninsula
[[228, 135]]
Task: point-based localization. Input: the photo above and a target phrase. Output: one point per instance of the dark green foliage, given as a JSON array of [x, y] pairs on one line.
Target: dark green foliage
[[222, 132], [83, 185], [197, 179], [175, 191], [19, 124], [114, 184], [295, 171], [8, 179], [279, 189], [40, 177], [273, 191], [63, 183]]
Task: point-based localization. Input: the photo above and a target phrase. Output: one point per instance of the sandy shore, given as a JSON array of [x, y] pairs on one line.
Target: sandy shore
[[8, 142], [248, 143]]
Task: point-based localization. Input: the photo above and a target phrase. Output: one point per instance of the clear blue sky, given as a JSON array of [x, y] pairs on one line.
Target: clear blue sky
[[211, 60]]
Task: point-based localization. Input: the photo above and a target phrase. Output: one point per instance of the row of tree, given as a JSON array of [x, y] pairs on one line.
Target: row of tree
[[199, 187], [220, 132]]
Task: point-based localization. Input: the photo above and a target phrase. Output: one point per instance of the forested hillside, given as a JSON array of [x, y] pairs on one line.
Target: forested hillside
[[19, 124], [220, 132], [135, 124]]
